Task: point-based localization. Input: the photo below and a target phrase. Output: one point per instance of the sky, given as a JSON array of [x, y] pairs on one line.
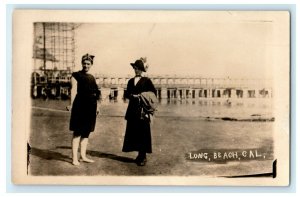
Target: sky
[[225, 46]]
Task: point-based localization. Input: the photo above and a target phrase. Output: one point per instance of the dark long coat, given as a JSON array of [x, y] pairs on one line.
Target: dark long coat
[[83, 114], [138, 131]]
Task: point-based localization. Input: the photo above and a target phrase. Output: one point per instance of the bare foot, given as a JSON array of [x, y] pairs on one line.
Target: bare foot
[[75, 163], [87, 160]]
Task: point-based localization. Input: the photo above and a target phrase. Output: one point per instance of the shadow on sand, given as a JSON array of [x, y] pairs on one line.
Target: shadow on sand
[[52, 155], [103, 155], [49, 155]]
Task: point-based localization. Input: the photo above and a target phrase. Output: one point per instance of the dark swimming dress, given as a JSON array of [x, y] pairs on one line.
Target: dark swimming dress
[[83, 114]]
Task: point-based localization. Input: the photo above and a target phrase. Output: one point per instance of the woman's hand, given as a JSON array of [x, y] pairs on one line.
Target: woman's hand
[[149, 117], [134, 96], [98, 110]]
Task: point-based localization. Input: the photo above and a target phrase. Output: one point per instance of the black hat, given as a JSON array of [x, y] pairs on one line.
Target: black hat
[[139, 64], [87, 57]]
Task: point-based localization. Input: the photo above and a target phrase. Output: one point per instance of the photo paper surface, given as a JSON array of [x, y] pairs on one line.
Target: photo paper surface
[[221, 87]]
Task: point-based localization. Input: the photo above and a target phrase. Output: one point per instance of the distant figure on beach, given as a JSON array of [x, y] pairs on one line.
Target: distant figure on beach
[[228, 102], [84, 108], [142, 100], [44, 93]]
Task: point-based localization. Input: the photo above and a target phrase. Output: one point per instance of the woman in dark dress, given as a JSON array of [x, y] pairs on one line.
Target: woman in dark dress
[[84, 109], [138, 131]]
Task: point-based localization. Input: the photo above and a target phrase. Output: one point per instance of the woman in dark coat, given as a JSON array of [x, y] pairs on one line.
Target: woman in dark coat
[[84, 109], [138, 131]]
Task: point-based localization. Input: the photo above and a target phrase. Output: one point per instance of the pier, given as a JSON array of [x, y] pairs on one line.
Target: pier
[[169, 87]]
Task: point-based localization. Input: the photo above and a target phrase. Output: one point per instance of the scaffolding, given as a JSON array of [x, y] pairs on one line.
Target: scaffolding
[[53, 55], [54, 46]]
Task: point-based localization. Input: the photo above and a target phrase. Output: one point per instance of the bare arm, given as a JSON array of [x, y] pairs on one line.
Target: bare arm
[[73, 89]]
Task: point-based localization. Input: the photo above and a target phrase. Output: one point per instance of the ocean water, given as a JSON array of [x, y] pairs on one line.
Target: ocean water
[[202, 108]]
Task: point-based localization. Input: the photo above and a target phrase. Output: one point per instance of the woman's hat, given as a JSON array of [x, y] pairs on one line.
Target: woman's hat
[[139, 64], [87, 57]]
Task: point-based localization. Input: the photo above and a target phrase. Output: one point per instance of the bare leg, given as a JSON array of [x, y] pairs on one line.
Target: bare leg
[[83, 146], [75, 145]]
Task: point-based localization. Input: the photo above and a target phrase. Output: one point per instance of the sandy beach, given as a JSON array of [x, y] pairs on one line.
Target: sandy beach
[[179, 145]]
